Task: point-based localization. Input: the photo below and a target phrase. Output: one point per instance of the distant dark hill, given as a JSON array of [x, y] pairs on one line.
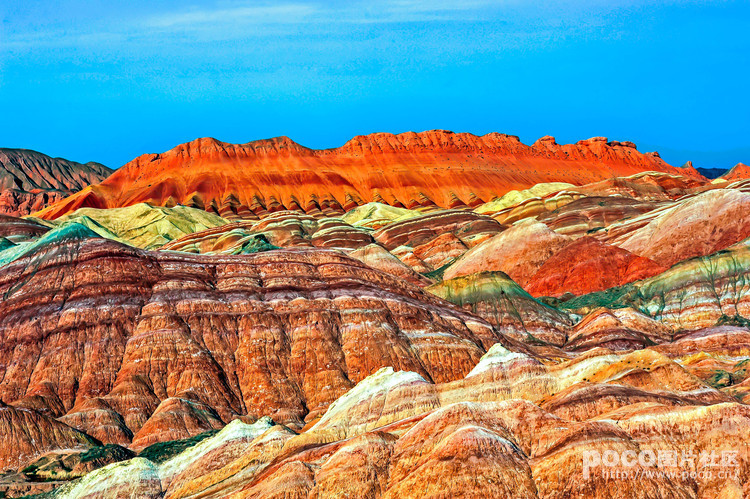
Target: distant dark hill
[[712, 173], [30, 180]]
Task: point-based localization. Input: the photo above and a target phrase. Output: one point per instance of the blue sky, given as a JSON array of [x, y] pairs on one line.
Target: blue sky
[[106, 80]]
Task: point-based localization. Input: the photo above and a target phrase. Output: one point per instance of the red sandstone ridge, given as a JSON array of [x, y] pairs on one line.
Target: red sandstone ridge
[[740, 171], [30, 180], [434, 168], [588, 265]]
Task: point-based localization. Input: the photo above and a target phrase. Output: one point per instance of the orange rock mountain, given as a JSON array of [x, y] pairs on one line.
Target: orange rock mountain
[[740, 171], [434, 168]]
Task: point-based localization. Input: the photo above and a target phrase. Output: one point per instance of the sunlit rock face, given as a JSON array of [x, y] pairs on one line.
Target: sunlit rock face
[[407, 344], [286, 229], [714, 220], [652, 185], [589, 215], [514, 426], [496, 298], [142, 225], [739, 172], [587, 265], [136, 346], [30, 181], [519, 252], [618, 329], [26, 434], [436, 168], [694, 294], [430, 243]]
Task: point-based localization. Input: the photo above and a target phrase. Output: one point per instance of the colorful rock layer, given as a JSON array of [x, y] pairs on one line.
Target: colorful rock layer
[[360, 323], [410, 170]]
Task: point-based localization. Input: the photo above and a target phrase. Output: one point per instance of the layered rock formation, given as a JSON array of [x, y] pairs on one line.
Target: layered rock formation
[[128, 345], [281, 229], [693, 294], [740, 171], [519, 252], [714, 220], [429, 243], [26, 434], [348, 336], [496, 298], [30, 181], [587, 265], [647, 186], [17, 230], [396, 434], [143, 225], [514, 198], [435, 168], [588, 215]]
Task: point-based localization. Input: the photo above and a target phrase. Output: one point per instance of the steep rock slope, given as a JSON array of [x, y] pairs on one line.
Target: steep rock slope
[[29, 180], [396, 434], [693, 294], [697, 226], [495, 297], [519, 252], [740, 171], [434, 168], [26, 434], [118, 340], [587, 265]]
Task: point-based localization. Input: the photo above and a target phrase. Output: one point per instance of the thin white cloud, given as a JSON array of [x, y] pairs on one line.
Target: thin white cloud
[[291, 13], [241, 18], [228, 20], [414, 6]]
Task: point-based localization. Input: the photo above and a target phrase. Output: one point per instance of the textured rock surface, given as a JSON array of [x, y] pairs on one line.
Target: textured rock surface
[[620, 329], [588, 215], [376, 215], [281, 229], [519, 252], [30, 181], [395, 434], [433, 241], [408, 170], [514, 198], [17, 230], [377, 257], [714, 220], [587, 265], [646, 186], [25, 435], [175, 343], [693, 294], [495, 297], [388, 349], [143, 225], [740, 171]]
